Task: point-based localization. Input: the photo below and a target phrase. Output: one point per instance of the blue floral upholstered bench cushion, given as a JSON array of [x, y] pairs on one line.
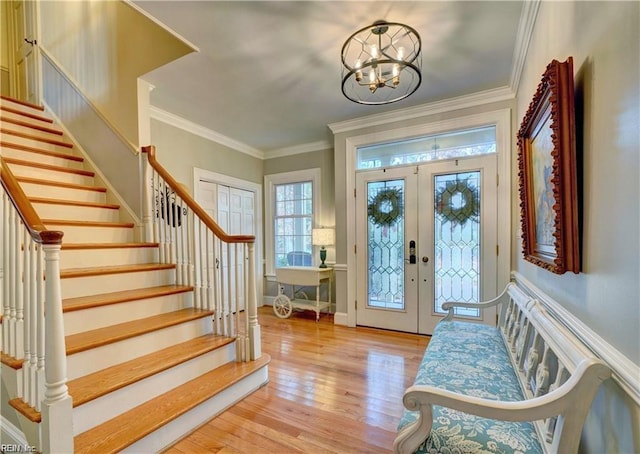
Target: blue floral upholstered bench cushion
[[471, 359]]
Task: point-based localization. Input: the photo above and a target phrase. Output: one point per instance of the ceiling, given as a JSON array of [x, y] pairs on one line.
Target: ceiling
[[267, 74]]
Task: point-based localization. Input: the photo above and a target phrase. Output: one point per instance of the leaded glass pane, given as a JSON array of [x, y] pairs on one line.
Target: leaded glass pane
[[385, 249], [450, 145], [457, 240]]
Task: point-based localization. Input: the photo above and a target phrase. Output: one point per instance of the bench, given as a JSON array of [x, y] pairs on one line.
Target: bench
[[525, 386]]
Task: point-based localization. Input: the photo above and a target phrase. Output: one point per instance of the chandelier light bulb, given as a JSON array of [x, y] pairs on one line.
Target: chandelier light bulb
[[374, 51], [400, 53]]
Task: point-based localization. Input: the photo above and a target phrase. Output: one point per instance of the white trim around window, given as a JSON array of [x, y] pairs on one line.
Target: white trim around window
[[270, 181]]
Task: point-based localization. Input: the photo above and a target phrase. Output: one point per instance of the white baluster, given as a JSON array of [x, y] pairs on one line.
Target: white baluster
[[198, 262], [12, 279], [6, 277], [27, 318], [19, 323]]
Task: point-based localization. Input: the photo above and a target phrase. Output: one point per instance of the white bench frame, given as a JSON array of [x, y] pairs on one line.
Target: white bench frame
[[537, 344]]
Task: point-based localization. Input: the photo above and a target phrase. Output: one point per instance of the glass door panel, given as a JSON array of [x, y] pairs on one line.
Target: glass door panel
[[385, 244], [457, 240]]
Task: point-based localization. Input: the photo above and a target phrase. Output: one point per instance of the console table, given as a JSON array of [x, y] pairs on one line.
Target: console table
[[297, 277]]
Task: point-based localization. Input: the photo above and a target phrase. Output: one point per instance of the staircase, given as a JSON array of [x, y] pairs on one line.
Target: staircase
[[143, 362]]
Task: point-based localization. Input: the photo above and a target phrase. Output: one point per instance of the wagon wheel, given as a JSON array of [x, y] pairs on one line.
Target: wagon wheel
[[282, 306]]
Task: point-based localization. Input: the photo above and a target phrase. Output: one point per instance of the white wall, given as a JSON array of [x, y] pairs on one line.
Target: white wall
[[603, 38]]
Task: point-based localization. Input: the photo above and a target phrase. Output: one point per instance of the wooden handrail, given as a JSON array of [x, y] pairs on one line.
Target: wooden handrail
[[25, 209], [191, 203]]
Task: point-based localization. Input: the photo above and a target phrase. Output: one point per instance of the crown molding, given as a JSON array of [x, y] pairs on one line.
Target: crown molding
[[523, 38], [299, 149], [447, 105], [199, 130]]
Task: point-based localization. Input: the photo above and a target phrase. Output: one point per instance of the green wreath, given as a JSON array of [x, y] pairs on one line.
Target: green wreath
[[386, 207], [467, 210]]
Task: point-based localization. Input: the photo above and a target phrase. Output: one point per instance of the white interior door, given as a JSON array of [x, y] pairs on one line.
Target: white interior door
[[449, 212], [24, 50]]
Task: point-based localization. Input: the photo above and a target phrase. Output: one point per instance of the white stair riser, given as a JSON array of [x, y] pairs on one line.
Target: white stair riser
[[81, 234], [25, 155], [188, 422], [76, 258], [24, 118], [76, 213], [96, 359], [107, 283], [100, 410], [34, 131], [100, 317], [6, 137], [52, 175], [57, 192]]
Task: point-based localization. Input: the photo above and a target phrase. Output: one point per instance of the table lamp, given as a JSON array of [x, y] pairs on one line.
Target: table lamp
[[322, 238]]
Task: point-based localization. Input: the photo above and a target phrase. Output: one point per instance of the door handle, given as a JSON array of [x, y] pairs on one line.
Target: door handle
[[30, 41], [425, 259]]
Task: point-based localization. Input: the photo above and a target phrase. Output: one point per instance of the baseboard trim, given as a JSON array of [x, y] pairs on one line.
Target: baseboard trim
[[340, 318]]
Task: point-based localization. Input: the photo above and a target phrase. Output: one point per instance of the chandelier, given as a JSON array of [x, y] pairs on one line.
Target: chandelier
[[381, 63]]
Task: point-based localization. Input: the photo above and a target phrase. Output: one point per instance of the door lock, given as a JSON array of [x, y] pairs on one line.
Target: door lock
[[412, 251]]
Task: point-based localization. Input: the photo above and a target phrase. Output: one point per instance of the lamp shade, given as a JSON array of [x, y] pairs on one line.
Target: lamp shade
[[322, 237]]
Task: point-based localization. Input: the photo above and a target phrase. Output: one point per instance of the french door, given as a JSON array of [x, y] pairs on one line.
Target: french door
[[427, 234]]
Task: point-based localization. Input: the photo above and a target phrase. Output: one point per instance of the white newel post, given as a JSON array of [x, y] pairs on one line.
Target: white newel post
[[147, 217], [254, 327], [57, 421]]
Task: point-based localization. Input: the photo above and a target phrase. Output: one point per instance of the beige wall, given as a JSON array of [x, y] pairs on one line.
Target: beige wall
[[4, 49], [603, 38], [104, 46], [179, 151]]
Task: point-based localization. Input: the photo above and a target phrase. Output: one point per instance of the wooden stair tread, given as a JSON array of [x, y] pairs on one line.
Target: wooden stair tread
[[10, 361], [39, 165], [87, 223], [53, 154], [59, 143], [31, 125], [97, 384], [124, 430], [104, 299], [60, 184], [75, 246], [110, 206], [22, 103], [116, 269], [87, 340], [26, 114]]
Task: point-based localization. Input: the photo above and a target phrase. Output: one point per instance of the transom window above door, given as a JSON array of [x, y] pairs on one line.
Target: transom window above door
[[449, 145]]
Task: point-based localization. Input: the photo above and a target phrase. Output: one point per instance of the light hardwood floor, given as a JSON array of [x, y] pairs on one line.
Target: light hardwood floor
[[332, 389]]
